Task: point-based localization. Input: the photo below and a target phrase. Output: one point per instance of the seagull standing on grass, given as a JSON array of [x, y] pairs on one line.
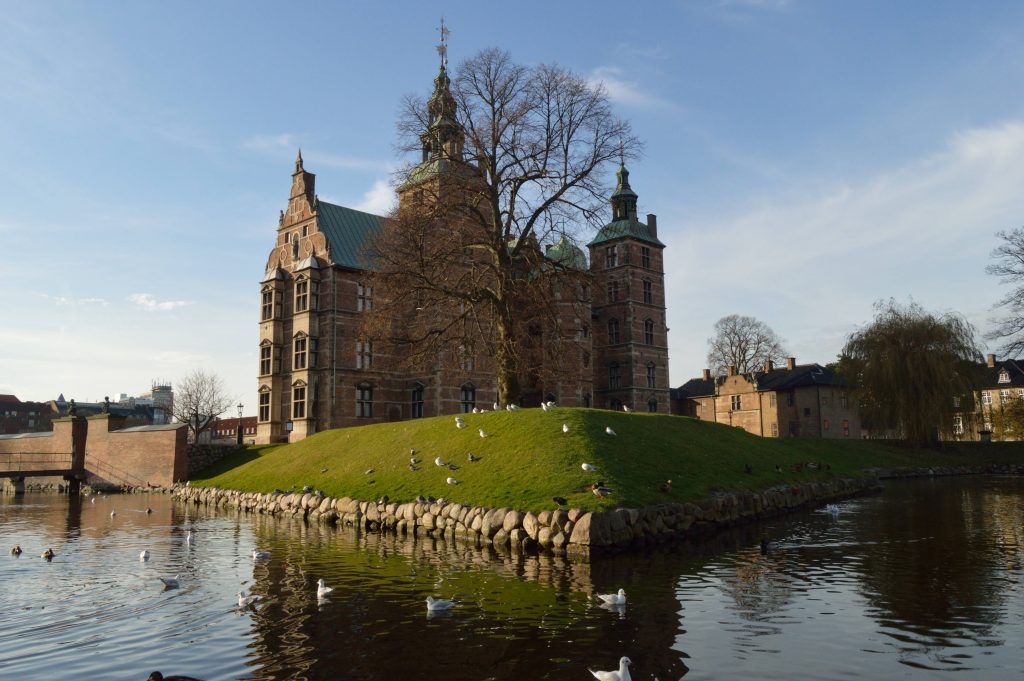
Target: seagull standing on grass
[[608, 429], [588, 467], [565, 427], [144, 556], [438, 604], [439, 462], [615, 598], [621, 675], [626, 408], [544, 406], [452, 481], [483, 433], [322, 589], [497, 406]]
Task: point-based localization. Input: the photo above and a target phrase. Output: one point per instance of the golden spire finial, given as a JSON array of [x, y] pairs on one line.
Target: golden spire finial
[[442, 48]]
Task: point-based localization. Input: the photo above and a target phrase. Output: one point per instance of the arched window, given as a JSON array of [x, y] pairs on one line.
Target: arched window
[[613, 331], [649, 331], [467, 397], [364, 401], [299, 400], [264, 402], [416, 401], [299, 354]]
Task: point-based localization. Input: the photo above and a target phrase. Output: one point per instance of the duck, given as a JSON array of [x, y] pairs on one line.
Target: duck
[[157, 676], [622, 674], [48, 554], [618, 598], [600, 490], [322, 589], [434, 604], [16, 551]]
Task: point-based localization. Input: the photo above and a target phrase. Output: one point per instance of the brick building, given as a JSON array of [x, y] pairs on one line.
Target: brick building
[[805, 400], [997, 410], [315, 373]]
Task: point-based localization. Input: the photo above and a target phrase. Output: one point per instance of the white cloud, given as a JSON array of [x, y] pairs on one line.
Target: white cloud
[[65, 301], [269, 143], [147, 302], [379, 199], [622, 90]]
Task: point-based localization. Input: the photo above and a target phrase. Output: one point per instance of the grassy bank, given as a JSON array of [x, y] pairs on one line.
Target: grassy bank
[[527, 459]]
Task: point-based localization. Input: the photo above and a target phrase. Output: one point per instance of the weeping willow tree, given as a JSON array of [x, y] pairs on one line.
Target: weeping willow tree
[[908, 369]]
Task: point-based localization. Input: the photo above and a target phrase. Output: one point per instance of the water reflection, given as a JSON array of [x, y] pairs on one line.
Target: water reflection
[[924, 577]]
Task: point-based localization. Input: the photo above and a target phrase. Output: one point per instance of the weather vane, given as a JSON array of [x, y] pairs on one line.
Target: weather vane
[[442, 48]]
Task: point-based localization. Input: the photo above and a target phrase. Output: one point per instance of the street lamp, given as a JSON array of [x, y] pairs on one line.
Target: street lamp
[[240, 407]]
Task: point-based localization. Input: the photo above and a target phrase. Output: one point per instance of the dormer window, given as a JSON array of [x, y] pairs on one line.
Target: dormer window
[[1004, 376]]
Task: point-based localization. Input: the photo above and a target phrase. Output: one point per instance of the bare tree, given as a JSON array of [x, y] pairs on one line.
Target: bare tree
[[1009, 267], [199, 398], [511, 164], [744, 343]]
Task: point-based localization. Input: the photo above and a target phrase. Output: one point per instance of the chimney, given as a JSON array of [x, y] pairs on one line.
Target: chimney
[[732, 371], [707, 374], [991, 361], [652, 224], [768, 365], [791, 363]]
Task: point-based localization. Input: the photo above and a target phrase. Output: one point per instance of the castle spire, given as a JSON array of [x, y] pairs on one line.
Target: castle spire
[[623, 198], [298, 161], [443, 137]]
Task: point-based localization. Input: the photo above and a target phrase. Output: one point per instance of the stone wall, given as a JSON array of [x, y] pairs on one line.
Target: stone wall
[[203, 456], [143, 456]]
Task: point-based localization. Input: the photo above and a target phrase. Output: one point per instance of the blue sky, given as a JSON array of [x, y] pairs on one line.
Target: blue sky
[[805, 159]]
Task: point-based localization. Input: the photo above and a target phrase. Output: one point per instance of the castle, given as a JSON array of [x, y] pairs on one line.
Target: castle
[[316, 372]]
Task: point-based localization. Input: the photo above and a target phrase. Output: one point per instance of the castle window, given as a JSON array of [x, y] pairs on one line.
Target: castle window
[[267, 309], [1004, 376], [736, 402], [986, 397], [771, 400], [265, 355], [649, 331], [364, 298], [467, 398], [295, 246], [277, 360], [652, 405], [648, 294], [299, 402], [650, 375], [645, 257], [613, 331], [585, 331], [611, 257], [843, 401], [302, 295], [958, 425], [299, 356], [956, 402], [614, 375], [613, 291], [466, 362], [314, 346], [364, 401], [305, 230], [416, 402], [775, 430], [364, 354]]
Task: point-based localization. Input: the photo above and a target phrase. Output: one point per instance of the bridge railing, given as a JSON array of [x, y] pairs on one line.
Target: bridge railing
[[28, 462]]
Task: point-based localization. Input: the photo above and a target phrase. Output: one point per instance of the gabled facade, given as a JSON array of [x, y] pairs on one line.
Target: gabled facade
[[997, 411], [803, 400]]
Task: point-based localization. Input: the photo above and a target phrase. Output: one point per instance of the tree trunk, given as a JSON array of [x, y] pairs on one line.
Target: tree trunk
[[505, 366]]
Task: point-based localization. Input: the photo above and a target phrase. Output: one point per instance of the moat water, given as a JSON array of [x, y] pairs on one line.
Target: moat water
[[922, 581]]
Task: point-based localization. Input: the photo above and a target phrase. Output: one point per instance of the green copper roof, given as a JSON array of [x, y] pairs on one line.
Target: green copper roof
[[625, 228], [347, 232], [567, 254]]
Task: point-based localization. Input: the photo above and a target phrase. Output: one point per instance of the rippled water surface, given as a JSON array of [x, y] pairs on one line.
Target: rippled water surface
[[923, 581]]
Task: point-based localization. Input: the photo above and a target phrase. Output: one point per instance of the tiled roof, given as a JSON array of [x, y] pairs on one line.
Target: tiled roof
[[348, 232], [802, 375], [630, 227], [697, 387], [1014, 372], [11, 399]]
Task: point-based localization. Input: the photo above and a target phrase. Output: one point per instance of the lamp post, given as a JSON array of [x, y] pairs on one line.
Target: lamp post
[[240, 407]]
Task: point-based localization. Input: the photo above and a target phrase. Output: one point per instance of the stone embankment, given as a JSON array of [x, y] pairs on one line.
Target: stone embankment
[[555, 530]]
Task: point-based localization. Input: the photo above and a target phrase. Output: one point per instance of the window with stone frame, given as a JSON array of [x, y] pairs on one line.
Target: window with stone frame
[[648, 291], [467, 398], [264, 408], [364, 401], [614, 375], [267, 304], [301, 295], [416, 402], [652, 405], [364, 298], [364, 354], [649, 331], [299, 353], [266, 353], [613, 331], [299, 401], [958, 424], [736, 402], [611, 257], [613, 291], [650, 375], [986, 397], [775, 430], [645, 257]]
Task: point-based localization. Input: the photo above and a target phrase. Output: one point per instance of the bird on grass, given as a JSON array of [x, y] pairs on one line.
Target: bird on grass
[[384, 499], [144, 556], [460, 424], [588, 467], [413, 460], [472, 457], [484, 433], [16, 551], [369, 471], [600, 490], [323, 470], [544, 406], [438, 461], [565, 427], [260, 555], [157, 676], [615, 598], [622, 674], [778, 468], [666, 486], [551, 404], [245, 601], [608, 429], [322, 589], [434, 604], [413, 468], [626, 408], [452, 467], [48, 554], [306, 489], [170, 582], [452, 481], [561, 501], [497, 406]]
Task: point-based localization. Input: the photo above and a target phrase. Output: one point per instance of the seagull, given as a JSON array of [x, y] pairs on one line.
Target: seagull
[[306, 489], [148, 511], [588, 467], [452, 467], [323, 470], [472, 457], [544, 406], [439, 462], [476, 410], [413, 460], [614, 599], [113, 513], [626, 409], [497, 406], [144, 556], [460, 424], [608, 429], [188, 538], [483, 433], [452, 481], [412, 452], [246, 601], [600, 490], [833, 509], [260, 555], [551, 404], [565, 427], [170, 582], [16, 551], [93, 500], [383, 500], [412, 467], [439, 604], [369, 471], [621, 675], [322, 589], [48, 554]]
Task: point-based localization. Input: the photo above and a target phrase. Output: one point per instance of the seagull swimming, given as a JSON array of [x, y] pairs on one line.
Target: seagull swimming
[[113, 513], [621, 675], [565, 427], [614, 599], [260, 555], [439, 604], [246, 601], [144, 556], [588, 467], [322, 589], [188, 538], [170, 582], [608, 429], [483, 433], [452, 481]]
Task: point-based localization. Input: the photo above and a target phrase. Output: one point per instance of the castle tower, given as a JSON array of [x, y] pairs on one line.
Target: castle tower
[[630, 337]]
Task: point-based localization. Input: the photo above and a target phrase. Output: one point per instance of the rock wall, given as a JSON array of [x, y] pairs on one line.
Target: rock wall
[[202, 456]]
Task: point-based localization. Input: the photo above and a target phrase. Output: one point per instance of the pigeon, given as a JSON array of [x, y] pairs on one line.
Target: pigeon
[[608, 429], [16, 551], [260, 555], [614, 599], [626, 409], [621, 675], [439, 603], [565, 427], [483, 433], [600, 490], [170, 582], [471, 457], [48, 554], [588, 467], [666, 486], [144, 556], [322, 589], [246, 601], [439, 462], [452, 481], [561, 501]]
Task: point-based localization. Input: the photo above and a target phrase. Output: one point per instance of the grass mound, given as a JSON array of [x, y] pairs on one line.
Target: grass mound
[[527, 459]]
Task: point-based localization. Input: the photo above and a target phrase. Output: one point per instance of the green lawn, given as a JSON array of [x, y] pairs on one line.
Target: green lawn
[[527, 459]]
